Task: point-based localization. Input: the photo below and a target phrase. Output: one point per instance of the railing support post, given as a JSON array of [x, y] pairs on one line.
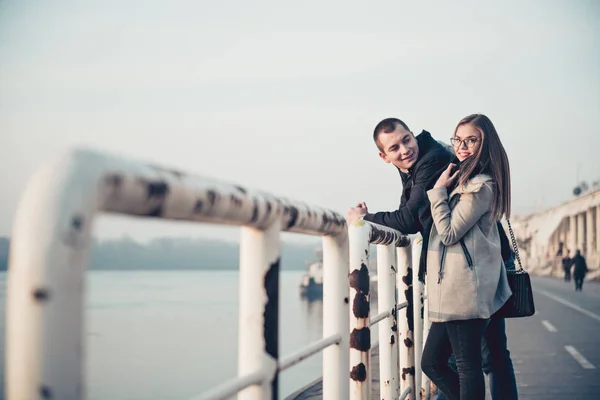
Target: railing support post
[[388, 329], [405, 320], [418, 312], [360, 331], [45, 342], [336, 316], [258, 337], [426, 387]]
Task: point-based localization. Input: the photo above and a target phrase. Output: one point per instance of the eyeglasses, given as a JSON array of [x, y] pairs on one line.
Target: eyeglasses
[[469, 142]]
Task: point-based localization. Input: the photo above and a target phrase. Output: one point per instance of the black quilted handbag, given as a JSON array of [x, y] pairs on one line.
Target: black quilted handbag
[[520, 304]]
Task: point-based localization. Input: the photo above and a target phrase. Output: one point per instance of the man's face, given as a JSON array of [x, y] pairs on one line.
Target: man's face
[[399, 147]]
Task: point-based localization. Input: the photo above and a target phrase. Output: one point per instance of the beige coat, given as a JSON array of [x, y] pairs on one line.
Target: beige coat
[[464, 280]]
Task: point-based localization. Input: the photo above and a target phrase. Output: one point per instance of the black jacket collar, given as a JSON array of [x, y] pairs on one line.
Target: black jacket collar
[[426, 143]]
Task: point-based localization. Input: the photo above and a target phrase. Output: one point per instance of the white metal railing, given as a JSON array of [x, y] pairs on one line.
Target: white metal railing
[[49, 254]]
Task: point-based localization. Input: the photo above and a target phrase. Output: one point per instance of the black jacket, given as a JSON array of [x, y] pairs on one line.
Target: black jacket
[[414, 213], [580, 268]]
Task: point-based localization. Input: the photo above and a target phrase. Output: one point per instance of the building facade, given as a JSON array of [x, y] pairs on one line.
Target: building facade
[[545, 237]]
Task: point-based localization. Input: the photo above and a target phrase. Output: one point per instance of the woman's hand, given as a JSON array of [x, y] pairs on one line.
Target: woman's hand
[[445, 178]]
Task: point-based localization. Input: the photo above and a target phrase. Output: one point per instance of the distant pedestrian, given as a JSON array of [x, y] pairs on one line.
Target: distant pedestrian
[[579, 270], [560, 250], [567, 262]]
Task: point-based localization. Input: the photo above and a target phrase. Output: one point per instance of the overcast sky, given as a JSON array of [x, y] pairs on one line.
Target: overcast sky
[[283, 95]]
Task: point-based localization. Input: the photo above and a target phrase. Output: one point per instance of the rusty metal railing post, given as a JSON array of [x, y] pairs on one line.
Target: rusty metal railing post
[[360, 331], [336, 316], [258, 337], [426, 386], [388, 329], [418, 311], [45, 313], [404, 281]]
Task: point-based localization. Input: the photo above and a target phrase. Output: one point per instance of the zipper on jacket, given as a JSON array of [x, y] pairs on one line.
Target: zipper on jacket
[[442, 258], [467, 255]]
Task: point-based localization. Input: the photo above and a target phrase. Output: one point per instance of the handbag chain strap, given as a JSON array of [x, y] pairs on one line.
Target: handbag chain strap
[[514, 244]]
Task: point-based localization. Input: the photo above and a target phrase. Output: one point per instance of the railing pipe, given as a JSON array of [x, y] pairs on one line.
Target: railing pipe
[[406, 393], [308, 351], [418, 311], [362, 234], [405, 322], [258, 346], [388, 329], [231, 388], [360, 331], [380, 317], [426, 389], [336, 320], [46, 282]]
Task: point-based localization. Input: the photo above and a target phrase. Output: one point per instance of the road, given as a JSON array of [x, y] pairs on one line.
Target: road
[[556, 352]]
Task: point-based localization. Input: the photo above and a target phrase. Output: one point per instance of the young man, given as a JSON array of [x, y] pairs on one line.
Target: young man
[[579, 270], [420, 160]]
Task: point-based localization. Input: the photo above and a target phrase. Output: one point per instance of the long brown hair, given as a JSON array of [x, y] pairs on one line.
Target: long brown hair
[[490, 159]]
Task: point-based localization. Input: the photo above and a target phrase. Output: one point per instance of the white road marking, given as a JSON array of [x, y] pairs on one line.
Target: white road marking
[[549, 326], [585, 364], [569, 304]]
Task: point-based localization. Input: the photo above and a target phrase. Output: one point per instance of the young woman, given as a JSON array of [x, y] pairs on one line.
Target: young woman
[[466, 278]]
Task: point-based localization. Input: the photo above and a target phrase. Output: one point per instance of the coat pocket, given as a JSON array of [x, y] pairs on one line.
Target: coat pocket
[[458, 298], [443, 252], [466, 253]]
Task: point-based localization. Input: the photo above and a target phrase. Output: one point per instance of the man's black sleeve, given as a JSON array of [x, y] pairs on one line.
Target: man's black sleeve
[[406, 218]]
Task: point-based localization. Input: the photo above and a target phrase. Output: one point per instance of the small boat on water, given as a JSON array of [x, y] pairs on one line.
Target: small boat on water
[[311, 285]]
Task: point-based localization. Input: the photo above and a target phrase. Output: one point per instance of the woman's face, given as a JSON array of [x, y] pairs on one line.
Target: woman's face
[[467, 141]]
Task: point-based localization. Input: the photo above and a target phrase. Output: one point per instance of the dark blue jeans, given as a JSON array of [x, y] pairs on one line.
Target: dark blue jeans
[[496, 362], [463, 338]]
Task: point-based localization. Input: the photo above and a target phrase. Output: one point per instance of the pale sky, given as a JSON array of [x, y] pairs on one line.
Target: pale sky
[[283, 95]]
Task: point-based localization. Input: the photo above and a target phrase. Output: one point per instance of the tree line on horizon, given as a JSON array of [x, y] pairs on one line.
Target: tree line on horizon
[[177, 253]]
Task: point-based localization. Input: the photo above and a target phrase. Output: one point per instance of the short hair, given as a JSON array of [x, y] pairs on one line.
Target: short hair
[[387, 125]]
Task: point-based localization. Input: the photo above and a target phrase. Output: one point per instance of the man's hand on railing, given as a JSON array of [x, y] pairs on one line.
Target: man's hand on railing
[[355, 213]]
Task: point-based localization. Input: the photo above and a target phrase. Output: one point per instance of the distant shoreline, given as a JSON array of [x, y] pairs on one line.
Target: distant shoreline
[[185, 254]]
